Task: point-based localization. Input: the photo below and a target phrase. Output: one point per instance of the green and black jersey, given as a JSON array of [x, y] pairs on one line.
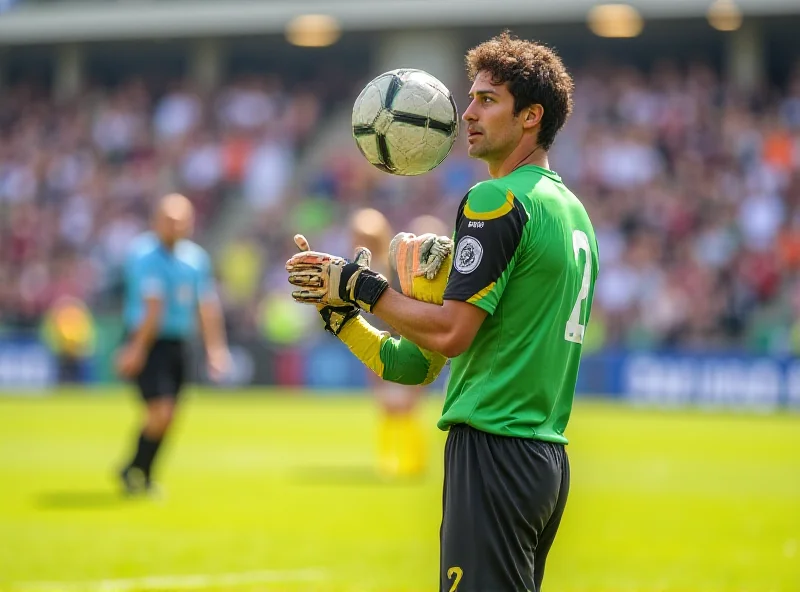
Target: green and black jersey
[[527, 254]]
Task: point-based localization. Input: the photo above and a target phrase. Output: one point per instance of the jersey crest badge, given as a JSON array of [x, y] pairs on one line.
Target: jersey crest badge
[[469, 253]]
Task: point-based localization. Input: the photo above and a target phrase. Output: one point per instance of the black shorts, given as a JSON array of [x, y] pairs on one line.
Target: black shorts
[[503, 502], [164, 371]]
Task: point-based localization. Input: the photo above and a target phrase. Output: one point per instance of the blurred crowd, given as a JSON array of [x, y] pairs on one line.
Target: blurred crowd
[[693, 187], [694, 191], [78, 178]]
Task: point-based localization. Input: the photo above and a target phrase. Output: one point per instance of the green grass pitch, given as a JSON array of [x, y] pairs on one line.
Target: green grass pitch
[[277, 492]]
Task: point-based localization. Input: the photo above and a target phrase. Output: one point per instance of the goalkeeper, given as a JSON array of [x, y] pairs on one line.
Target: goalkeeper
[[513, 318]]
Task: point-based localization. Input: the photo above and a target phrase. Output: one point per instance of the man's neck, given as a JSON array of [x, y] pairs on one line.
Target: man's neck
[[169, 247], [521, 155]]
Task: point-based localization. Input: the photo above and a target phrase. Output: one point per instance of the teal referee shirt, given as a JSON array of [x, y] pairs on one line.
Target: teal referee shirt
[[181, 278]]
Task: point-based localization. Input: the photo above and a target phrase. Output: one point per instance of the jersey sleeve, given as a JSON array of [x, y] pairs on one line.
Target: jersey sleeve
[[393, 359], [489, 231], [148, 278]]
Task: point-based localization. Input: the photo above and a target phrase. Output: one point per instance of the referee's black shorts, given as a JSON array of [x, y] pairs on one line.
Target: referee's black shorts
[[503, 502], [164, 371]]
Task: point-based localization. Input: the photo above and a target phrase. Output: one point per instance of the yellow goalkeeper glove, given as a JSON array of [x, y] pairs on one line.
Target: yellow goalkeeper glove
[[422, 264]]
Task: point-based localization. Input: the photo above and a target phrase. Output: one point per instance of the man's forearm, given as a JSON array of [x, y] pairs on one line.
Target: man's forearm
[[212, 324], [420, 322], [147, 332], [394, 360]]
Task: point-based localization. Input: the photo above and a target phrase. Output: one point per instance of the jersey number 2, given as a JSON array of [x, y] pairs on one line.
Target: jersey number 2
[[458, 573], [574, 330]]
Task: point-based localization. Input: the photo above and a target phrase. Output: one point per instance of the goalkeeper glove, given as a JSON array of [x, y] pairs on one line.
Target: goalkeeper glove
[[325, 279], [422, 264], [335, 317]]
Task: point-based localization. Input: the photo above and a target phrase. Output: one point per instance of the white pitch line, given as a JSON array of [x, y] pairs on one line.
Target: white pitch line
[[183, 582]]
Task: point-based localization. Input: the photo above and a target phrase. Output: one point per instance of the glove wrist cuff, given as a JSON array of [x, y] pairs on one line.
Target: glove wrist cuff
[[362, 286], [370, 286]]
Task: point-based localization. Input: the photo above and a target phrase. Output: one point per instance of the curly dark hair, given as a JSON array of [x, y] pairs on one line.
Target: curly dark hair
[[534, 74]]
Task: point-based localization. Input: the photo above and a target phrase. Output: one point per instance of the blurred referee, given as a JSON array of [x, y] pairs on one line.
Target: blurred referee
[[168, 285]]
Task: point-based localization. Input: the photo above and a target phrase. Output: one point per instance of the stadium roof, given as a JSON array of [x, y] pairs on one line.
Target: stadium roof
[[37, 22]]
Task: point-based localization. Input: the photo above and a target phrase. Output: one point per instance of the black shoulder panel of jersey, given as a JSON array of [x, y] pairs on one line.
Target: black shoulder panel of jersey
[[488, 232]]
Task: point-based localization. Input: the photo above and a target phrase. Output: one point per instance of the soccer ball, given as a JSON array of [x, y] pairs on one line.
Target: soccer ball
[[405, 122]]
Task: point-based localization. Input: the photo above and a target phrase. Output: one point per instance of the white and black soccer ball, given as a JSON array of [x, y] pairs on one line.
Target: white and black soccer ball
[[405, 122]]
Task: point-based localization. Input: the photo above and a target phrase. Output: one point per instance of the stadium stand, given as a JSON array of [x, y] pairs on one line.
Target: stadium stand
[[694, 186]]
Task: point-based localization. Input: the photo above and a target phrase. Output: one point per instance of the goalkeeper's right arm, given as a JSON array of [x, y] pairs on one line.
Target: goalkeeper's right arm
[[395, 360]]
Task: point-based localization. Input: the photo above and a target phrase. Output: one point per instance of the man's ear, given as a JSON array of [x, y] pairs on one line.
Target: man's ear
[[532, 116]]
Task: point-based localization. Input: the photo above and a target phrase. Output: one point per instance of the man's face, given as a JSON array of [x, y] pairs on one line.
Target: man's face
[[172, 228], [492, 129]]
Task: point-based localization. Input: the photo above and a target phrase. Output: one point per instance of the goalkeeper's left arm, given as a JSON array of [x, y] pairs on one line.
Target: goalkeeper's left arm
[[422, 265]]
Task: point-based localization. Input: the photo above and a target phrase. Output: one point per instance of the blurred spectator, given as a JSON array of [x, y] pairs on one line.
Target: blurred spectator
[[68, 330]]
